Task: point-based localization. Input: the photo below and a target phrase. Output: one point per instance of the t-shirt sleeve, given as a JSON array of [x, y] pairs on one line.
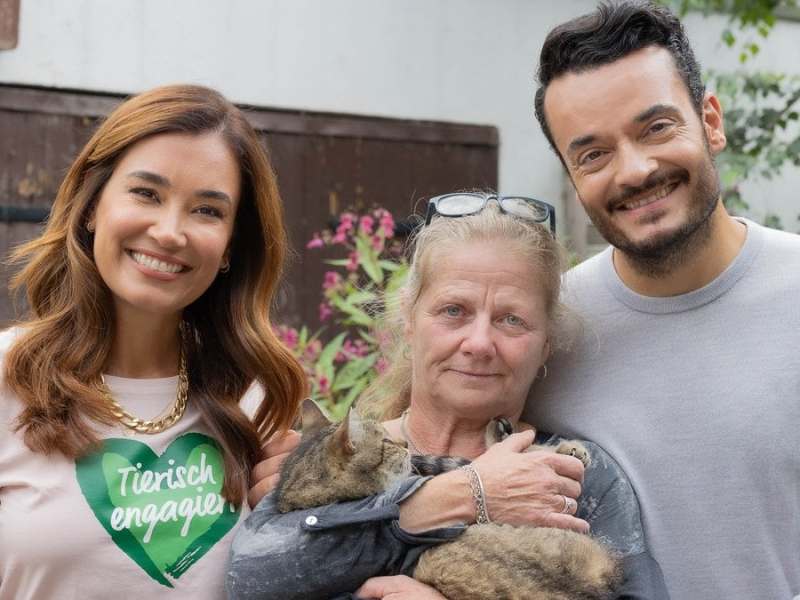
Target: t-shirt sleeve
[[328, 551]]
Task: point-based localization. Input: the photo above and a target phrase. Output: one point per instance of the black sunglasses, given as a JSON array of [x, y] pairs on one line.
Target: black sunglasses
[[462, 204]]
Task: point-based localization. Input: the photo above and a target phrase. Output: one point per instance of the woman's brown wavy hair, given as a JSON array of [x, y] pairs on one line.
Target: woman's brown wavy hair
[[65, 340]]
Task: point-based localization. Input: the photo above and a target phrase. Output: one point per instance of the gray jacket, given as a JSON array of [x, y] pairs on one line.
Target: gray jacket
[[329, 551]]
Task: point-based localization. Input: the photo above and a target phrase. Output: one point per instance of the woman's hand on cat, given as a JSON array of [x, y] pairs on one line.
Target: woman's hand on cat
[[398, 587], [265, 475], [529, 488]]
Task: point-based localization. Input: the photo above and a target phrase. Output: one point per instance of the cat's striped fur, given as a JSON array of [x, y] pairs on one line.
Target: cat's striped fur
[[489, 561]]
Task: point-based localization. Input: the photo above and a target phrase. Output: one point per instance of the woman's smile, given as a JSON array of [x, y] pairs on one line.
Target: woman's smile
[[157, 266]]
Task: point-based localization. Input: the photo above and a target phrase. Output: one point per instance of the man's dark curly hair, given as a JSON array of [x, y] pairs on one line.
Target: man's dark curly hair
[[609, 33]]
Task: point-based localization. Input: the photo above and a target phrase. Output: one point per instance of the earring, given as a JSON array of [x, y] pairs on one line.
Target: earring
[[544, 366], [90, 227], [226, 266]]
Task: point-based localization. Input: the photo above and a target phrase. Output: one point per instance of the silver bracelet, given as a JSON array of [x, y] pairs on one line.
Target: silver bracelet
[[478, 495]]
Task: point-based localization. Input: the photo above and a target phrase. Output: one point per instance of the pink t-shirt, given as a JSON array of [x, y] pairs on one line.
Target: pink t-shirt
[[141, 517]]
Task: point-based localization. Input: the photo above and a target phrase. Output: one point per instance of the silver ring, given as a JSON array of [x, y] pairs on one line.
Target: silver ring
[[571, 505], [565, 508]]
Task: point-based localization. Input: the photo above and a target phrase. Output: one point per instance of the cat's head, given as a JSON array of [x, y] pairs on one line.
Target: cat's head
[[339, 461]]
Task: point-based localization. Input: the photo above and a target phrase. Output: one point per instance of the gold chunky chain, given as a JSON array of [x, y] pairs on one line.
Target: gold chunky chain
[[159, 425]]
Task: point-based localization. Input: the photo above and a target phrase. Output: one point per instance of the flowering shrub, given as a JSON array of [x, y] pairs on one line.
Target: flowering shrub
[[352, 290]]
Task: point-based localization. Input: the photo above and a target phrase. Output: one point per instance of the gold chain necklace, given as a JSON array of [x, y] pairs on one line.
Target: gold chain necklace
[[159, 425]]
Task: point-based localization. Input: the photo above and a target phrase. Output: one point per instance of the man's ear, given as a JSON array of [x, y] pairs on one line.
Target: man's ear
[[713, 124]]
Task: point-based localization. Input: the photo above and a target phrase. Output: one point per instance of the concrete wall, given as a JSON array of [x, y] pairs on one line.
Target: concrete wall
[[454, 60]]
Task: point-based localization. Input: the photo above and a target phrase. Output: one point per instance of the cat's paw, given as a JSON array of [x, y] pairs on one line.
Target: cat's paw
[[576, 449]]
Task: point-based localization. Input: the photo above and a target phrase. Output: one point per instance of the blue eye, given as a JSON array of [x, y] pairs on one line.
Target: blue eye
[[453, 311], [514, 321]]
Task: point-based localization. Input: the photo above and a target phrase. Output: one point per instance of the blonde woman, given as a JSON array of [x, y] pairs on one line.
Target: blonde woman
[[478, 318]]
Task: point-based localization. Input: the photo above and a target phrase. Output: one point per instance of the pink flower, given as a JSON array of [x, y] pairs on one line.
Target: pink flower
[[381, 365], [332, 279], [355, 349], [365, 224], [359, 348], [316, 242], [387, 224], [325, 311], [377, 243], [290, 337], [352, 264], [344, 227], [313, 349], [324, 385], [348, 218], [339, 238]]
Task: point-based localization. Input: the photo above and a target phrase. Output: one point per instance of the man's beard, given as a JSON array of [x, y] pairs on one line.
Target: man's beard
[[662, 254]]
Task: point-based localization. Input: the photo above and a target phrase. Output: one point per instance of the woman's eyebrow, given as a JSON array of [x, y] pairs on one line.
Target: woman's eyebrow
[[162, 181], [151, 177]]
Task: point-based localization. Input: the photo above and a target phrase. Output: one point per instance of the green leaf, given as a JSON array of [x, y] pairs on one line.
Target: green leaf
[[368, 260], [361, 296], [397, 279], [337, 262], [389, 265], [355, 315], [370, 339], [348, 400], [330, 351], [352, 371], [728, 37]]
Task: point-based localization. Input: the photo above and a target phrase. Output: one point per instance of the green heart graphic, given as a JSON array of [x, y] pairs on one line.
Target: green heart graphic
[[165, 512]]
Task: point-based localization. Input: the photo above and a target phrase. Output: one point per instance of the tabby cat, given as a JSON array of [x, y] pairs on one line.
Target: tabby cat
[[355, 459]]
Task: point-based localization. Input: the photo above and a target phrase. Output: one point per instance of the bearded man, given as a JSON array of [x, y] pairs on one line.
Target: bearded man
[[686, 368]]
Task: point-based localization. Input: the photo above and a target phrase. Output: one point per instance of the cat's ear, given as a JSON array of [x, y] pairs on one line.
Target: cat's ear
[[351, 432], [312, 417]]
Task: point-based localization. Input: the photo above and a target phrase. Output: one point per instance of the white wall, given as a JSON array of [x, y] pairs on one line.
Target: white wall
[[454, 60]]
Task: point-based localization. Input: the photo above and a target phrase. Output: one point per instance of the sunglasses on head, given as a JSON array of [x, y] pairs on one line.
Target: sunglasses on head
[[462, 204]]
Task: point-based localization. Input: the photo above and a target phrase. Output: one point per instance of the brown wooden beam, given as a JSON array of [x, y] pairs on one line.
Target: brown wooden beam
[[86, 104]]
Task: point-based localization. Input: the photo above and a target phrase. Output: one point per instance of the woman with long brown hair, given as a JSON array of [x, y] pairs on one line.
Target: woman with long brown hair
[[125, 446]]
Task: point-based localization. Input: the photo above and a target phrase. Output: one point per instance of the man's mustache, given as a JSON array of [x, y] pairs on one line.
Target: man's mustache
[[654, 181]]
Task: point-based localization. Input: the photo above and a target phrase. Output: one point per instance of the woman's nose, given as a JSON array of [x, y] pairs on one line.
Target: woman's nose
[[169, 229], [478, 338]]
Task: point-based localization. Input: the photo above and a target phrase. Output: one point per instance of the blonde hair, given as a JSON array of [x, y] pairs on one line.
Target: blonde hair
[[65, 341], [389, 394]]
